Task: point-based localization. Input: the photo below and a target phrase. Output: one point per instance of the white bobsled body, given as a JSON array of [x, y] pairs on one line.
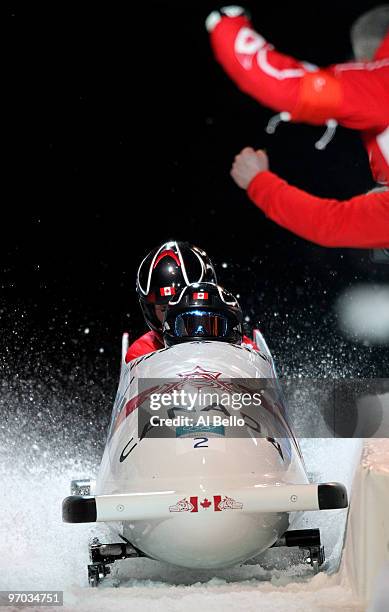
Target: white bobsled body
[[200, 498]]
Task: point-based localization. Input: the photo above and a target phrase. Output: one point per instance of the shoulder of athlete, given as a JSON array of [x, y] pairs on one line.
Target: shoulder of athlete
[[247, 342], [149, 342]]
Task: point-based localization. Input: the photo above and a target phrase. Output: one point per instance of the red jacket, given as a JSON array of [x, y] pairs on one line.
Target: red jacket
[[361, 222], [151, 341], [148, 343], [356, 95]]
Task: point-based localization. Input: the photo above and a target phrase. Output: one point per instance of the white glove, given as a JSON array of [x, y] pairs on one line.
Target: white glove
[[228, 11]]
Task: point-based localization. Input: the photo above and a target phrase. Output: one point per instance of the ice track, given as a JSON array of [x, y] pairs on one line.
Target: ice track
[[40, 452]]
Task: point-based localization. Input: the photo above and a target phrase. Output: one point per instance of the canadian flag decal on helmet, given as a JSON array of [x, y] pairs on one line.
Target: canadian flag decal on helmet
[[167, 291], [200, 296]]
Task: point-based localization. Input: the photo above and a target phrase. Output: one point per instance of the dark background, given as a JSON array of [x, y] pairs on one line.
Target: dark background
[[120, 133]]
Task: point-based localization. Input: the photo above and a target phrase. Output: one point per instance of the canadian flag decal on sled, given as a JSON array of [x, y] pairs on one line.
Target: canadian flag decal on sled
[[218, 504]]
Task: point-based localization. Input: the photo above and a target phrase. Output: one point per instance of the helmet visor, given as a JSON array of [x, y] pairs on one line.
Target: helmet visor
[[200, 323]]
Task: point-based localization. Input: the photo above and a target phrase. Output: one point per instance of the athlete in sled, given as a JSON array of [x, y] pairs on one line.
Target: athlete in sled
[[162, 274], [240, 486]]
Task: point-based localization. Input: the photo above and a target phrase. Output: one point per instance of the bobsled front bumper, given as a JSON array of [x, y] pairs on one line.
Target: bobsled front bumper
[[165, 504]]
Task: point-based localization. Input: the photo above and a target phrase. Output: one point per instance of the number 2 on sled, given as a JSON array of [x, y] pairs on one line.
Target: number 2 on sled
[[201, 442]]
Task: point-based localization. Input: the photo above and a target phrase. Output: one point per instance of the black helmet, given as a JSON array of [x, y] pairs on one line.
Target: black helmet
[[203, 311], [164, 272]]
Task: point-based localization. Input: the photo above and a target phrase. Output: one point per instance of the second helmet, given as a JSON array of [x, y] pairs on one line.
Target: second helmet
[[203, 311]]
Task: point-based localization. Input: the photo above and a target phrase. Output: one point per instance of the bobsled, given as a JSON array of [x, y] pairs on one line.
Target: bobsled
[[200, 484]]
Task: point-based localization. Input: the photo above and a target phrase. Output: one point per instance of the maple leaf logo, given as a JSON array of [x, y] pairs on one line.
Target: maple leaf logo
[[199, 372], [199, 377], [206, 503]]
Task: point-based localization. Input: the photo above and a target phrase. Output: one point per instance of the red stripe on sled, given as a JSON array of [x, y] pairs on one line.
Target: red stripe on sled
[[194, 502], [216, 501]]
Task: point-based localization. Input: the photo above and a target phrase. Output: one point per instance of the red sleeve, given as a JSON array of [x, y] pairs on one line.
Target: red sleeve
[[247, 340], [355, 94], [148, 343], [274, 79], [236, 46], [361, 222]]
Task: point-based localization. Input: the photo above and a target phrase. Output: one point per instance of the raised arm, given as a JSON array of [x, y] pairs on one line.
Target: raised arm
[[354, 94], [275, 80], [361, 222]]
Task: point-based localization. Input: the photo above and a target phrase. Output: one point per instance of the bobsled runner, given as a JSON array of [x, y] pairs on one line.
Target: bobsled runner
[[190, 493]]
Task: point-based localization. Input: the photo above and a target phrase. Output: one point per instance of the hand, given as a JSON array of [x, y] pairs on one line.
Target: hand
[[227, 11], [247, 164]]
